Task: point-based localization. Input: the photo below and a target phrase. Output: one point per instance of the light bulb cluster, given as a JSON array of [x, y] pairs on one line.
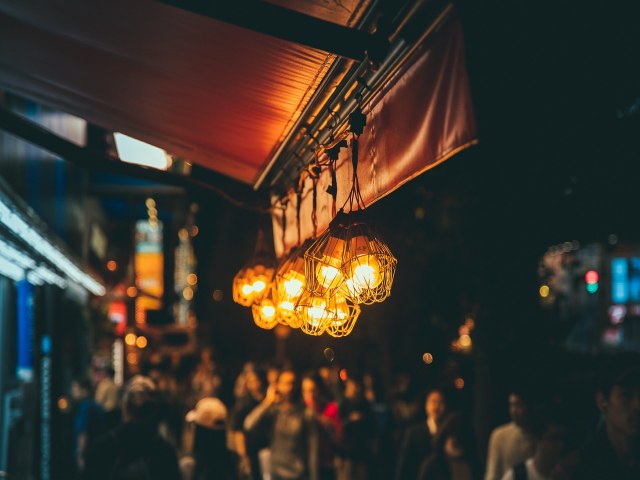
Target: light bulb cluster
[[319, 286]]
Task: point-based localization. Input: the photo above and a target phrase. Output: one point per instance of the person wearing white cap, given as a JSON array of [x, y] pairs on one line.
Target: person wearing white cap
[[212, 459]]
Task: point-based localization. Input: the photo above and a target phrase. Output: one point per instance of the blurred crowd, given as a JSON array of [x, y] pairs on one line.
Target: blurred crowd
[[332, 424]]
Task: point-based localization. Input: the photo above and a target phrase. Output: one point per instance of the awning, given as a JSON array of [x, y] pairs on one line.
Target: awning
[[244, 104]]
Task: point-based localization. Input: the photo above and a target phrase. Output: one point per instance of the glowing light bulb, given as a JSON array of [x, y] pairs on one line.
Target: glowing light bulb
[[328, 275], [267, 310], [293, 287], [286, 305], [259, 285], [247, 289], [365, 272], [317, 310]]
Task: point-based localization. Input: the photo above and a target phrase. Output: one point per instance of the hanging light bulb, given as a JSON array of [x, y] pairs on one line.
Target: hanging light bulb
[[369, 266], [346, 315], [251, 282], [324, 260], [265, 314], [290, 284], [315, 313]]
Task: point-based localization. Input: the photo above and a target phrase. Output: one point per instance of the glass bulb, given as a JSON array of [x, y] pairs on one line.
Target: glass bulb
[[286, 305], [365, 272], [259, 285], [247, 289], [328, 275], [267, 309], [293, 287]]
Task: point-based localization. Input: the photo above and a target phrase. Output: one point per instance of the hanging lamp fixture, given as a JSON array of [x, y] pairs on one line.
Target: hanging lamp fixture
[[350, 258], [251, 282], [264, 311]]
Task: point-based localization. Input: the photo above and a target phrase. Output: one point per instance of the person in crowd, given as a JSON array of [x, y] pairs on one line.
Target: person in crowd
[[453, 456], [614, 450], [359, 432], [107, 395], [212, 459], [134, 450], [247, 445], [88, 418], [317, 399], [418, 440], [206, 380], [293, 430], [550, 432], [384, 461], [512, 443]]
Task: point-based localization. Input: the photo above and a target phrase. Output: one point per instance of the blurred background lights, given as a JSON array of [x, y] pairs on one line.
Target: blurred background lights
[[63, 404], [465, 341], [112, 265], [187, 293], [329, 354], [132, 358], [132, 291], [194, 231], [544, 291], [150, 203], [343, 375], [427, 358], [459, 383], [183, 234], [141, 342], [192, 279], [218, 295], [130, 339]]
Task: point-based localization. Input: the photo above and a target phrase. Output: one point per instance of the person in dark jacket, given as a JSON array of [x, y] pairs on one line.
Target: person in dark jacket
[[418, 439], [614, 450], [134, 450]]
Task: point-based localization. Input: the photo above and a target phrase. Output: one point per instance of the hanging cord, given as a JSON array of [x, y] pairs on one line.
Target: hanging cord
[[298, 205], [333, 189], [314, 214], [354, 199], [284, 223]]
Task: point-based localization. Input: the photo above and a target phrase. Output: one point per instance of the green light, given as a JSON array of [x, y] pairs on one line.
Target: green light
[[592, 287]]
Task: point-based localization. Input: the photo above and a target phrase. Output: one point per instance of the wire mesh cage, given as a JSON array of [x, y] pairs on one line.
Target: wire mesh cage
[[346, 316], [251, 282], [315, 312], [290, 284], [264, 311], [368, 265], [324, 258]]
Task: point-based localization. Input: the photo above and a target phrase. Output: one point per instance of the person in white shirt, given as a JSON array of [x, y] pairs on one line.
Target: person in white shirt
[[512, 443], [551, 434]]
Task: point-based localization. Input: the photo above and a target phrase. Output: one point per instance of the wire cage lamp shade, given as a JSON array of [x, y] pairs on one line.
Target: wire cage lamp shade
[[264, 310], [351, 259], [251, 282], [346, 316], [290, 283], [315, 313]]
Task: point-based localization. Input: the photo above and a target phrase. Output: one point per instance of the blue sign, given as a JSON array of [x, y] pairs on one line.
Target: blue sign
[[24, 367]]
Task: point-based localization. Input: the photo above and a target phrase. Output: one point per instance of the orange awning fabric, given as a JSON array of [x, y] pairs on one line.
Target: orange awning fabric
[[422, 117], [212, 93]]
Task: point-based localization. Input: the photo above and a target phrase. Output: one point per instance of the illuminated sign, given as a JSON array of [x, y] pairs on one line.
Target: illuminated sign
[[149, 268]]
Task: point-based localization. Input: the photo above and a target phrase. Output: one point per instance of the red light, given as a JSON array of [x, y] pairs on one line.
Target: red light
[[591, 276], [343, 375]]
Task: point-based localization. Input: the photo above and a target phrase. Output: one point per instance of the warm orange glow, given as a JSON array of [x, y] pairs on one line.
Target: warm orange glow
[[364, 272], [132, 358], [464, 341], [132, 291], [112, 265], [63, 404], [187, 294], [141, 342], [427, 358], [150, 203], [258, 285], [267, 309], [130, 339], [218, 295], [183, 234], [544, 291], [328, 275], [459, 383], [343, 375], [192, 279], [194, 231]]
